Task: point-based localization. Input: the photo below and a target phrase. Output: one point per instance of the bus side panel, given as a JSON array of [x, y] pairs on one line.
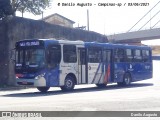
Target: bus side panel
[[119, 70], [148, 69], [134, 69], [137, 71], [142, 71], [94, 73], [67, 69], [52, 77]]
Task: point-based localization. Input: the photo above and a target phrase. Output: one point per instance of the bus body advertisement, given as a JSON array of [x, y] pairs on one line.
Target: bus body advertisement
[[46, 63]]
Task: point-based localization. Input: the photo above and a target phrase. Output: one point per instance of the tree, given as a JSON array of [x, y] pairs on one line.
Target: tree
[[33, 6], [5, 8]]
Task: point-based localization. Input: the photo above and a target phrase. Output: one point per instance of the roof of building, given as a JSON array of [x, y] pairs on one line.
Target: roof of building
[[58, 15]]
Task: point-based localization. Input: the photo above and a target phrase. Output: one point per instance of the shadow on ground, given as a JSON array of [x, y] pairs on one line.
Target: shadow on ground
[[78, 90]]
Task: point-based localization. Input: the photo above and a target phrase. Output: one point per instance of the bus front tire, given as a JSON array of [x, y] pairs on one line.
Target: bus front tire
[[43, 89], [126, 80], [68, 84]]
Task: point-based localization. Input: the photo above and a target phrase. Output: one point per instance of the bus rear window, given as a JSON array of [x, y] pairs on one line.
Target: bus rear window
[[145, 55], [137, 56]]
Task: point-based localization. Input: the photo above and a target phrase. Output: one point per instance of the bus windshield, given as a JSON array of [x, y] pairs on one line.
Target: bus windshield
[[30, 58]]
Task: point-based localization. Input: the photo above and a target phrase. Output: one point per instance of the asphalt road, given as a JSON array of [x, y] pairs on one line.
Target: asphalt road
[[139, 96]]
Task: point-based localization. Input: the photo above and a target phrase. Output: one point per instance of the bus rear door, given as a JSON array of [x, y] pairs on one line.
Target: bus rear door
[[95, 65], [82, 66], [107, 70]]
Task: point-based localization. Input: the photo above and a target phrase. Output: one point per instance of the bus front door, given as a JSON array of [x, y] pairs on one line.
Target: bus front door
[[82, 66]]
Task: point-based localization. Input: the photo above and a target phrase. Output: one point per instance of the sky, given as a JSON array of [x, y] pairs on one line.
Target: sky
[[106, 17]]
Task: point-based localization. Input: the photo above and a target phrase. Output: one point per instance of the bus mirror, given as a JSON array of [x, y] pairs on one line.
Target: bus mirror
[[12, 54]]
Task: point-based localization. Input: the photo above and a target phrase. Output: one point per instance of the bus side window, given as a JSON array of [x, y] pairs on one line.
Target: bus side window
[[54, 55], [83, 57], [145, 55], [119, 55], [69, 54], [137, 56], [95, 55], [129, 55], [106, 56]]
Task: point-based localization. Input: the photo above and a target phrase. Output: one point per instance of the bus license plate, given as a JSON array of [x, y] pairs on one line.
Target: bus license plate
[[24, 82]]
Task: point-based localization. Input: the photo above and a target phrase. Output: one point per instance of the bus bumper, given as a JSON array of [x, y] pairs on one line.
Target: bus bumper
[[31, 82]]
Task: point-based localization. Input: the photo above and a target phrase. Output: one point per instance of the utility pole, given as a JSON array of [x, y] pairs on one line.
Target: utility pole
[[42, 15], [88, 19]]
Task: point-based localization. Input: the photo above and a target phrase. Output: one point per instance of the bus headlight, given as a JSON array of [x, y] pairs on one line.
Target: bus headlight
[[39, 76]]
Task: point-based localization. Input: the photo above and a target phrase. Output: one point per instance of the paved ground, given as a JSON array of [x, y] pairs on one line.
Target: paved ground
[[140, 96]]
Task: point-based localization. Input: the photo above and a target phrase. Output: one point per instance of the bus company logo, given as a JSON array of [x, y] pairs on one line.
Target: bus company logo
[[89, 68], [147, 67], [6, 114], [130, 66]]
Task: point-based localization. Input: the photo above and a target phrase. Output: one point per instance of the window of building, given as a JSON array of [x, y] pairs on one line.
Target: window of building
[[69, 53]]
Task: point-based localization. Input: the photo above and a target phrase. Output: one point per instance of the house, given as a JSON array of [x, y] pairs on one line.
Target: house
[[59, 20]]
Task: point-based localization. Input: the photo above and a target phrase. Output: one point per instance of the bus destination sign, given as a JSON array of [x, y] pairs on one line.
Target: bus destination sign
[[29, 43]]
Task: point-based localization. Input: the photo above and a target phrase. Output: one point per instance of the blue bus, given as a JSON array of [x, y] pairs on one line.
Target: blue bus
[[45, 63]]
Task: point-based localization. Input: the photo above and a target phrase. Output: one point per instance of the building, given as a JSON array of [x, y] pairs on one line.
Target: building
[[59, 20]]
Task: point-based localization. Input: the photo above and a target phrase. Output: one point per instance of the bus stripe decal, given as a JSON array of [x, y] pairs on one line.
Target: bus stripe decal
[[100, 77], [96, 73], [106, 77]]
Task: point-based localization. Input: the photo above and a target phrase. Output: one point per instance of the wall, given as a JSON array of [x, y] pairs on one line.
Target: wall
[[4, 61], [16, 29]]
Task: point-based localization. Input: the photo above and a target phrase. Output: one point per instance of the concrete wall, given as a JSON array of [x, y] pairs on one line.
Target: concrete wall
[[4, 61], [16, 29]]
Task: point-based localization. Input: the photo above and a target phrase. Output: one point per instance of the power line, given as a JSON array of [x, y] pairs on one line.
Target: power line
[[143, 16], [155, 24], [149, 20]]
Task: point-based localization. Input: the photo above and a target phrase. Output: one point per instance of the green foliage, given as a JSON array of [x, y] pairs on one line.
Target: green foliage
[[33, 6], [5, 8]]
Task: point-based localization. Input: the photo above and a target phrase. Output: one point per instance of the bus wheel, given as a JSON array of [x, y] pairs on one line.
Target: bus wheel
[[69, 84], [101, 85], [126, 80], [43, 89]]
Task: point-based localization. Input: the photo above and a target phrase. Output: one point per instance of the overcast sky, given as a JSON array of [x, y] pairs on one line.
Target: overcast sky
[[119, 16]]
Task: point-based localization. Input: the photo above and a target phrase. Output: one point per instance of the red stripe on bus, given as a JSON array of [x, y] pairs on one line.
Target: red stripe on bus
[[106, 77]]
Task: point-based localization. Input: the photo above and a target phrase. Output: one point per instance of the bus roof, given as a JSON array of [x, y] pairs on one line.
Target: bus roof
[[55, 41], [87, 44], [111, 45]]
